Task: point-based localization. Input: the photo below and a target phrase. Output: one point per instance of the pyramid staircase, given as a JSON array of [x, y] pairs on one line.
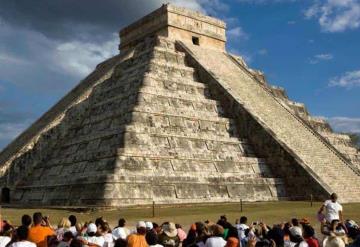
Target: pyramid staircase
[[326, 165]]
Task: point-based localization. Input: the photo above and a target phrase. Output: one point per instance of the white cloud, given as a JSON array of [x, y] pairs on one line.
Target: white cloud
[[79, 58], [321, 57], [8, 131], [348, 80], [345, 124], [335, 15], [237, 33]]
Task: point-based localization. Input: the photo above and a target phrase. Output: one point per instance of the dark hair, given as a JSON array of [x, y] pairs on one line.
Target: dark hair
[[308, 231], [155, 225], [26, 220], [232, 233], [68, 236], [243, 220], [37, 218], [151, 238], [105, 227], [141, 230], [276, 234], [22, 233], [99, 221], [76, 243], [121, 222], [73, 220], [295, 222], [333, 196], [119, 243]]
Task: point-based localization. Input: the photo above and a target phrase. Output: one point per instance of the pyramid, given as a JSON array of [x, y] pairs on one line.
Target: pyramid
[[174, 118]]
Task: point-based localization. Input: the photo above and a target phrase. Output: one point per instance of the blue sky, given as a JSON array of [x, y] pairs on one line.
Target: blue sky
[[309, 47]]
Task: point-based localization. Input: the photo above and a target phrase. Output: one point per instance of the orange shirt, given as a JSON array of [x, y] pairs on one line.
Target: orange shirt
[[137, 240], [38, 235]]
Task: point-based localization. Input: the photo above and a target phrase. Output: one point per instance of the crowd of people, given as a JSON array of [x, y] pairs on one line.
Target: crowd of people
[[37, 231]]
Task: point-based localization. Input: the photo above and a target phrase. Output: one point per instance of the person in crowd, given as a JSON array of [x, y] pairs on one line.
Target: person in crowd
[[22, 233], [225, 225], [105, 231], [181, 232], [276, 234], [91, 238], [152, 240], [216, 239], [296, 239], [336, 228], [233, 238], [76, 243], [63, 226], [73, 221], [157, 228], [138, 239], [333, 241], [334, 210], [196, 236], [66, 239], [242, 227], [80, 229], [40, 230], [309, 236], [120, 231], [6, 234], [295, 222], [120, 243], [26, 220], [150, 233], [169, 237]]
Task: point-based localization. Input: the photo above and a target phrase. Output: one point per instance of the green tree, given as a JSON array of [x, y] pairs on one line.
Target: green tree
[[355, 139]]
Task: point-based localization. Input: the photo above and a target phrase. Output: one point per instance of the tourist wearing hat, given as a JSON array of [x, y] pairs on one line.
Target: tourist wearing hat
[[296, 239], [169, 237], [121, 231], [91, 238], [138, 239]]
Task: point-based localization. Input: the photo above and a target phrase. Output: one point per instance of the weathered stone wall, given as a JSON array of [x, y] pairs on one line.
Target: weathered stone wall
[[149, 132], [310, 150]]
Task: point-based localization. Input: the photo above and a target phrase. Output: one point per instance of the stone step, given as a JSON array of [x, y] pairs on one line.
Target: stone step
[[158, 67], [157, 95], [285, 126]]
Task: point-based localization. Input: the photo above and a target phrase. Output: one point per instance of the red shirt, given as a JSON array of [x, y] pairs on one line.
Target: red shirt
[[312, 242]]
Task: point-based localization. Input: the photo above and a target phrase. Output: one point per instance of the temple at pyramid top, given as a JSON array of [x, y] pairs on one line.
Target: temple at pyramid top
[[176, 23]]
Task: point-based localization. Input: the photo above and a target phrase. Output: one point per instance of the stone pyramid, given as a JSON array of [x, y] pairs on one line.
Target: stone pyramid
[[174, 118]]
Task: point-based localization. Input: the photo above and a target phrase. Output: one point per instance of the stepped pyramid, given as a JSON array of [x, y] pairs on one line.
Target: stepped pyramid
[[174, 118]]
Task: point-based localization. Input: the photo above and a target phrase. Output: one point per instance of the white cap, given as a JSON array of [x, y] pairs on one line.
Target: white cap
[[91, 228], [295, 231], [149, 225], [141, 224]]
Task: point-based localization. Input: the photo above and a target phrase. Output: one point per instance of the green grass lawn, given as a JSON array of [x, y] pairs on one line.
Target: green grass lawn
[[268, 212]]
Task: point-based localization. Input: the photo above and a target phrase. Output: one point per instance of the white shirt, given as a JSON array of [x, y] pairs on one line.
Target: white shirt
[[72, 229], [332, 210], [156, 245], [96, 240], [4, 240], [215, 242], [292, 244], [23, 244], [241, 230]]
